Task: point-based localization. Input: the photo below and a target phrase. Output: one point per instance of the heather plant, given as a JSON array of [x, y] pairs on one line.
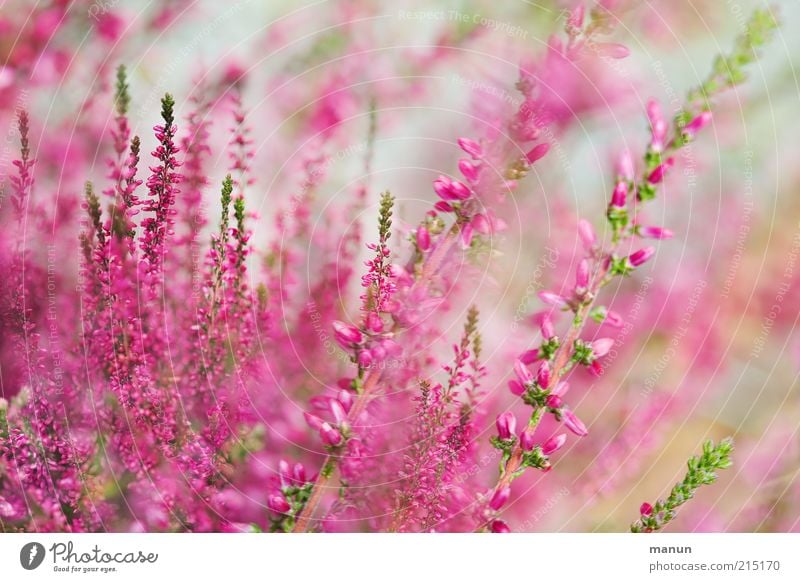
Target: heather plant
[[196, 374]]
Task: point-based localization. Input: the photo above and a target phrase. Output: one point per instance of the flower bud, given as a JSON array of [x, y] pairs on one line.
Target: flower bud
[[423, 238], [574, 423], [499, 526], [554, 401], [506, 425], [347, 335], [469, 170], [364, 358], [516, 388], [646, 509], [471, 147], [641, 256], [582, 275], [543, 376], [277, 503], [552, 299], [500, 497], [548, 332], [523, 373], [624, 165], [330, 436], [553, 444], [619, 195], [602, 346], [587, 234], [337, 410], [537, 153], [654, 232], [526, 439]]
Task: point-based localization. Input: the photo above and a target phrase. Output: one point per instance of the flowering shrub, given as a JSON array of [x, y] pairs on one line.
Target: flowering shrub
[[168, 366]]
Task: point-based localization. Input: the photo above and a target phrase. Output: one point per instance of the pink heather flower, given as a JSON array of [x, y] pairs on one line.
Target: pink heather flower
[[624, 166], [529, 357], [619, 196], [526, 439], [655, 232], [517, 389], [465, 236], [277, 503], [698, 123], [313, 421], [451, 190], [641, 256], [423, 238], [347, 335], [582, 276], [553, 299], [543, 376], [345, 398], [523, 373], [506, 425], [658, 125], [586, 232], [553, 444], [473, 148], [537, 153], [554, 401], [482, 224], [365, 358], [612, 50], [602, 346], [469, 170], [646, 509], [657, 175], [573, 423], [548, 331], [330, 436], [499, 526], [613, 319], [500, 498], [338, 412], [443, 206], [373, 322]]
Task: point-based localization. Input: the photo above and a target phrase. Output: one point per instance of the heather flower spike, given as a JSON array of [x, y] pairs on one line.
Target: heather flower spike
[[701, 471]]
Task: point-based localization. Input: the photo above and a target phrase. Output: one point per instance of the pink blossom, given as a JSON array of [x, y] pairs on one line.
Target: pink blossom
[[655, 232], [646, 509], [516, 388], [526, 439], [471, 147], [499, 526], [573, 423], [499, 498], [587, 234], [423, 238], [347, 335], [537, 153], [523, 373], [641, 256], [553, 299], [553, 444], [601, 347], [506, 425]]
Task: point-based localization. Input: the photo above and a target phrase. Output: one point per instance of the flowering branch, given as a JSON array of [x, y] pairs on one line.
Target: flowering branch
[[556, 357], [701, 472]]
